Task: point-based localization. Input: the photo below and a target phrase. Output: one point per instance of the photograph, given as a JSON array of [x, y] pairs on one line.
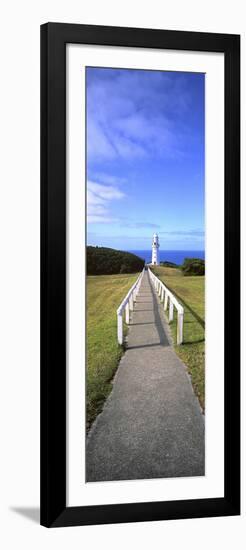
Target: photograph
[[140, 273], [145, 274]]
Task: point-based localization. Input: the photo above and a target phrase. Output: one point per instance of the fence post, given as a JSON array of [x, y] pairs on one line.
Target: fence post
[[127, 313], [170, 310], [131, 302], [120, 328], [165, 301], [180, 328], [162, 293]]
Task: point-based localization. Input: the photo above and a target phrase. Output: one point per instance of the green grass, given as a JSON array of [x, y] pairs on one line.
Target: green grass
[[189, 291], [104, 295]]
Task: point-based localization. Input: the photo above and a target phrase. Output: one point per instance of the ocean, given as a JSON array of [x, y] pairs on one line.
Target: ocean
[[175, 256]]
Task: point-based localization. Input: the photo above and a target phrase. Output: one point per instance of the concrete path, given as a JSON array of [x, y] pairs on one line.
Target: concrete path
[[151, 425]]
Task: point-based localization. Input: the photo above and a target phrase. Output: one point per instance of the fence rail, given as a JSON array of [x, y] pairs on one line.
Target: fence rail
[[126, 306], [167, 296]]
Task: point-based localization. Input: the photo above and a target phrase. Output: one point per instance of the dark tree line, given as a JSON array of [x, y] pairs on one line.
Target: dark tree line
[[107, 261]]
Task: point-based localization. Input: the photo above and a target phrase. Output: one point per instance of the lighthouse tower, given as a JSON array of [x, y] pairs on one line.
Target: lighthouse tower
[[155, 249]]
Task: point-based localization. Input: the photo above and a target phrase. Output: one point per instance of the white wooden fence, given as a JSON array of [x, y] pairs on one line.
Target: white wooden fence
[[167, 296], [126, 306]]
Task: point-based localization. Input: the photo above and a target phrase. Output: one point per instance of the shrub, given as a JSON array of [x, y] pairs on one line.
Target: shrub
[[193, 266]]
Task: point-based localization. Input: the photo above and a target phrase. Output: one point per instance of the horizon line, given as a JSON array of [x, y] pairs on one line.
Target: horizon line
[[150, 249]]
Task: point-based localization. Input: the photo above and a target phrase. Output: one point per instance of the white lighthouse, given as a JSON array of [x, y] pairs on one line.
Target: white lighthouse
[[155, 249]]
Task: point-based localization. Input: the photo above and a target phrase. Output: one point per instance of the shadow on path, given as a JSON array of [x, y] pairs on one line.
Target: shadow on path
[[158, 322]]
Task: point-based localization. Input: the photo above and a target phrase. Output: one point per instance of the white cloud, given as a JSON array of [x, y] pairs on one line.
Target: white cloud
[[109, 179], [187, 233], [99, 197], [140, 225], [128, 114], [98, 144], [101, 219], [104, 192]]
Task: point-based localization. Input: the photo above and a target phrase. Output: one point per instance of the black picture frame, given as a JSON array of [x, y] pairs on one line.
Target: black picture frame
[[54, 37]]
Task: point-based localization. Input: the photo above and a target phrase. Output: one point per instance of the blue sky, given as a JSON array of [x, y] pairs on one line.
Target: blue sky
[[145, 159]]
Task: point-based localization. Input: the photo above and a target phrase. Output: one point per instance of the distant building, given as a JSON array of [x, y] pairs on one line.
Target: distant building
[[155, 249]]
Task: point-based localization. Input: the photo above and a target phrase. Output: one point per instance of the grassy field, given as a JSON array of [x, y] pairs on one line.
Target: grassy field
[[104, 294], [190, 292]]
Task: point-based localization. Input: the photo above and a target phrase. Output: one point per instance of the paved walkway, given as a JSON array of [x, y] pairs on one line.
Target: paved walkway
[[151, 425]]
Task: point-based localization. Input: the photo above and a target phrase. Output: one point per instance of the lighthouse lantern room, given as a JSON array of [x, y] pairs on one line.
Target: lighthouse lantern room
[[155, 249]]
